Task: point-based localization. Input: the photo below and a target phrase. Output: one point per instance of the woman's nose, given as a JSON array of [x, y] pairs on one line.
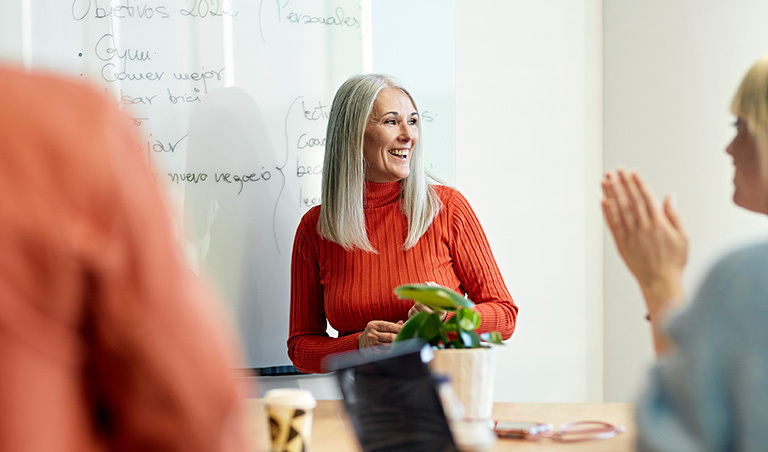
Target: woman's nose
[[729, 148], [406, 134]]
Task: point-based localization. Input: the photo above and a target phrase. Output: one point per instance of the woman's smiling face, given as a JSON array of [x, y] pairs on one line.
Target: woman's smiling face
[[390, 136]]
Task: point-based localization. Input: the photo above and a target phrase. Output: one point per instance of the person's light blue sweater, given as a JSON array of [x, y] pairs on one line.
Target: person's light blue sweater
[[711, 393]]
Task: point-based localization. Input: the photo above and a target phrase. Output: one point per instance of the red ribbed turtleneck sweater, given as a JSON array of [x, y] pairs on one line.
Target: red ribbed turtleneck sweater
[[351, 288]]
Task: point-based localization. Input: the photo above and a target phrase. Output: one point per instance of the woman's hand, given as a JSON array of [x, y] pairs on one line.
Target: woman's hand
[[418, 307], [378, 332], [650, 238]]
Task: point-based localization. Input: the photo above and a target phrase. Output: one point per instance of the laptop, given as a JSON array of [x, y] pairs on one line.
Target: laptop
[[392, 399]]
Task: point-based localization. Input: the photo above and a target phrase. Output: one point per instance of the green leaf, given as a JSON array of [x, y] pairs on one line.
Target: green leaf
[[411, 327], [422, 325], [443, 337], [430, 330], [467, 319], [469, 339], [436, 297], [451, 325], [493, 337]]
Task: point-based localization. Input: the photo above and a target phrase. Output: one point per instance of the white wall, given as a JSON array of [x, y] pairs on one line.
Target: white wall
[[670, 71], [11, 49], [529, 160]]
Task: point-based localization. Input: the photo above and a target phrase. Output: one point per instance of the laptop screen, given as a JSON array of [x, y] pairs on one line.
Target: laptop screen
[[392, 400]]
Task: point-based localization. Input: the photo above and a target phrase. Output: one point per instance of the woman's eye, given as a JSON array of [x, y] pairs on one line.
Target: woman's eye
[[412, 121]]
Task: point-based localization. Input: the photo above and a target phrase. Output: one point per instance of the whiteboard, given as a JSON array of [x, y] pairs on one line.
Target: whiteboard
[[231, 99]]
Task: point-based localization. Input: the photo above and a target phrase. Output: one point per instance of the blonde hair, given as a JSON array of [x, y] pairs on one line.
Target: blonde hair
[[342, 214], [750, 103]]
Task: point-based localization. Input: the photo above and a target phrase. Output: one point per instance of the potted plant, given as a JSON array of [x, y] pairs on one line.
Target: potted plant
[[460, 353]]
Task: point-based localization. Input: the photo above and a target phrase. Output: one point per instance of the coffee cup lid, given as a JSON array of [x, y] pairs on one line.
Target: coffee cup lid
[[300, 398]]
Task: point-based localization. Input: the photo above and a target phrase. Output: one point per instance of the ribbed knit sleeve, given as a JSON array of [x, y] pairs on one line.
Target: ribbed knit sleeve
[[308, 342], [476, 267]]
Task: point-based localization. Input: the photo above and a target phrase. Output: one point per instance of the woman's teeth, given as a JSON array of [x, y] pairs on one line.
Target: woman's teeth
[[399, 152]]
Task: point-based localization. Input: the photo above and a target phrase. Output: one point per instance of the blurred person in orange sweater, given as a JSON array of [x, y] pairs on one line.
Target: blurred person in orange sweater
[[107, 341]]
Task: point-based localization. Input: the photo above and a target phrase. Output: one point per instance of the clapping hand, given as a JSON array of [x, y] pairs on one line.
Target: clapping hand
[[650, 237]]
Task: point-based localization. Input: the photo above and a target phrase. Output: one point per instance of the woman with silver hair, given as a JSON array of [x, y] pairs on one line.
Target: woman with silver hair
[[709, 389], [381, 223]]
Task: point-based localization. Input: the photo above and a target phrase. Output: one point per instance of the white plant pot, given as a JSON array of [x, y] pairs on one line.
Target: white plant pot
[[472, 372]]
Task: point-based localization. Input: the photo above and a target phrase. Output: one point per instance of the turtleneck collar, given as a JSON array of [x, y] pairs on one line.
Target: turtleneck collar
[[378, 195]]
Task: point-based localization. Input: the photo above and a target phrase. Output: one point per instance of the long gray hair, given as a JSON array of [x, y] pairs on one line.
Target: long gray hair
[[342, 215]]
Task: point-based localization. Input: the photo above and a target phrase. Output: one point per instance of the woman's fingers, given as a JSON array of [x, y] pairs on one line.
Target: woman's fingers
[[621, 219], [418, 307], [608, 188], [649, 199], [610, 212], [632, 202], [670, 210], [379, 332], [388, 331], [637, 209]]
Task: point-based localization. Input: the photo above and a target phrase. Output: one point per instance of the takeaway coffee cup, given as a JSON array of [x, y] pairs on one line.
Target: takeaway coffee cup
[[290, 418]]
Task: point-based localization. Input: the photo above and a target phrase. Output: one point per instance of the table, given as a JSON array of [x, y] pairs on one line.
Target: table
[[332, 432]]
